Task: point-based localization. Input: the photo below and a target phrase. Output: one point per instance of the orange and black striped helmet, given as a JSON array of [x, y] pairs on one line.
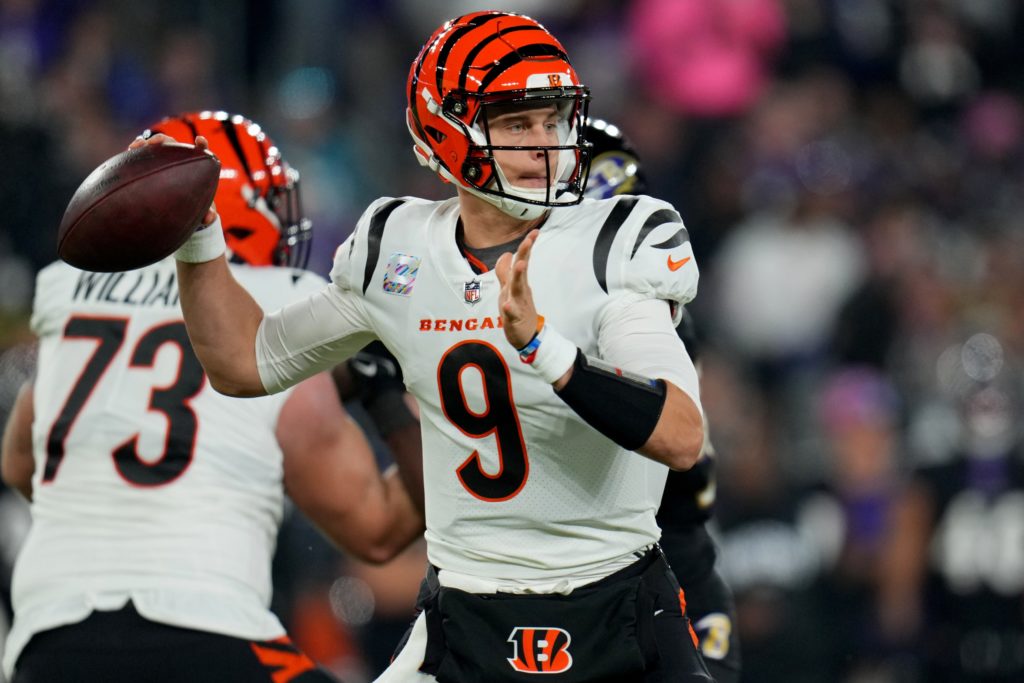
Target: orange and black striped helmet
[[258, 193], [485, 59]]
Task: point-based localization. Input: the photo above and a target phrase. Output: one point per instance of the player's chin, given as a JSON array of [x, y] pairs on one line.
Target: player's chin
[[531, 183]]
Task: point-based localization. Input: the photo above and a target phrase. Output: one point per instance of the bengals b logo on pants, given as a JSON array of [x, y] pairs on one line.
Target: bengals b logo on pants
[[540, 649]]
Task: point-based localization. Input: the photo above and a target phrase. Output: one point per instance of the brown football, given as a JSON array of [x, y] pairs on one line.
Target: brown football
[[137, 207]]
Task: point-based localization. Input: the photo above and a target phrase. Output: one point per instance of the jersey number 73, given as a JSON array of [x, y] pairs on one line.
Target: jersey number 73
[[172, 400]]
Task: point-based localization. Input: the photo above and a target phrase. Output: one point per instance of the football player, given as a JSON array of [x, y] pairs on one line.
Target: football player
[[952, 584], [536, 331], [155, 499], [689, 498]]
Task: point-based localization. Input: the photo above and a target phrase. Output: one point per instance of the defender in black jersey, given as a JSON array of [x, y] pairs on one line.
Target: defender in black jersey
[[688, 502], [958, 592]]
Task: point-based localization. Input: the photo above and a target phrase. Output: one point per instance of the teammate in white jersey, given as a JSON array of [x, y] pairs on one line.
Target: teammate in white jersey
[[554, 392], [156, 500]]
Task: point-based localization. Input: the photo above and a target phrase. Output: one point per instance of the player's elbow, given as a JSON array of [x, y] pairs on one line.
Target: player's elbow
[[675, 445], [383, 544], [380, 554], [235, 389], [233, 377], [230, 368], [375, 551], [687, 448], [678, 438]]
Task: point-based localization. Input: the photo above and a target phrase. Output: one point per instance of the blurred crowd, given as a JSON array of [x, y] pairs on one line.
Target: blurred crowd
[[851, 173]]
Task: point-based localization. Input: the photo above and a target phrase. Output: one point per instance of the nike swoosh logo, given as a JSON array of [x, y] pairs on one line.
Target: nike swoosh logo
[[676, 265], [658, 611]]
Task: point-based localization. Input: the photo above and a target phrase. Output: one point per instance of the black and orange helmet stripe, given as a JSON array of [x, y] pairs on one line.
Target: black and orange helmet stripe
[[271, 232], [231, 132], [521, 54], [452, 39], [471, 57]]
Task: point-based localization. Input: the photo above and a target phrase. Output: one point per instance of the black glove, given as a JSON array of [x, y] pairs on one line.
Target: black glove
[[374, 377]]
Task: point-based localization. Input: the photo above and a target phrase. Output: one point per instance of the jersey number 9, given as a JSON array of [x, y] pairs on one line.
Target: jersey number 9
[[499, 419]]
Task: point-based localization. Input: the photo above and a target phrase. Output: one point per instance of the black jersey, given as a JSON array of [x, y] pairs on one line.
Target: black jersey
[[689, 496], [975, 587]]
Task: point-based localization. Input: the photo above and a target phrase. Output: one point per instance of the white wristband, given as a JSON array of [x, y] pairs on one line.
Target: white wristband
[[205, 244], [554, 356]]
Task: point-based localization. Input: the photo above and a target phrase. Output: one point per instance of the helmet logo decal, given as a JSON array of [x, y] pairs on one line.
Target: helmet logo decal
[[550, 79], [612, 173], [401, 274]]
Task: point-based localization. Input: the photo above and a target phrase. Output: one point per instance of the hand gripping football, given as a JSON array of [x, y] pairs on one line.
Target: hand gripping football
[[137, 207]]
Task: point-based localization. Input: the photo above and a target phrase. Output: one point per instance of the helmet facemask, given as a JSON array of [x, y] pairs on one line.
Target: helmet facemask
[[296, 230], [568, 161]]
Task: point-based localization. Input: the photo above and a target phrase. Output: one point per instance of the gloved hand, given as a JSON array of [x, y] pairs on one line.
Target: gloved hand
[[374, 377]]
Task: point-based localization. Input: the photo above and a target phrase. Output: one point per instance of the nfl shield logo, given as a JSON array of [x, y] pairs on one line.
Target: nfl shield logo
[[472, 291]]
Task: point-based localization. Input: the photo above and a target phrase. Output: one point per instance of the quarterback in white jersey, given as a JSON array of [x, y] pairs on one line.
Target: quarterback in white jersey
[[552, 386], [508, 464], [153, 493]]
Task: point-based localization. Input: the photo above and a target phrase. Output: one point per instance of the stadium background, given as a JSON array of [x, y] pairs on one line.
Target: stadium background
[[852, 176]]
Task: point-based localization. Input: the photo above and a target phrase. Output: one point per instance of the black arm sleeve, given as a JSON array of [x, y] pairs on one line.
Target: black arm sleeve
[[624, 407]]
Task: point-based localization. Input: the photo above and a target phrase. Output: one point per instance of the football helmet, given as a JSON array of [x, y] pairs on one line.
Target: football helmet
[[616, 167], [258, 192], [490, 59]]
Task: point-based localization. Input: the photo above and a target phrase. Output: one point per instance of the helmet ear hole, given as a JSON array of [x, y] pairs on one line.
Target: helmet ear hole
[[436, 134]]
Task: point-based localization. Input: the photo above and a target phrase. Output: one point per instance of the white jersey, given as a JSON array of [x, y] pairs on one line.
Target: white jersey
[[148, 484], [509, 468]]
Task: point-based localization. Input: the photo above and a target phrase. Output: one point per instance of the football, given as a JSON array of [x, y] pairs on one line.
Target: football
[[137, 207]]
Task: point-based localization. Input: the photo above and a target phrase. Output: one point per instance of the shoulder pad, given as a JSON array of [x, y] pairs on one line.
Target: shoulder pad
[[50, 305], [356, 257], [644, 248]]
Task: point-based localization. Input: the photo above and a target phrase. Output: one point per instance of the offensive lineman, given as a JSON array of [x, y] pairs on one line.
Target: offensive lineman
[[155, 500], [511, 310]]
